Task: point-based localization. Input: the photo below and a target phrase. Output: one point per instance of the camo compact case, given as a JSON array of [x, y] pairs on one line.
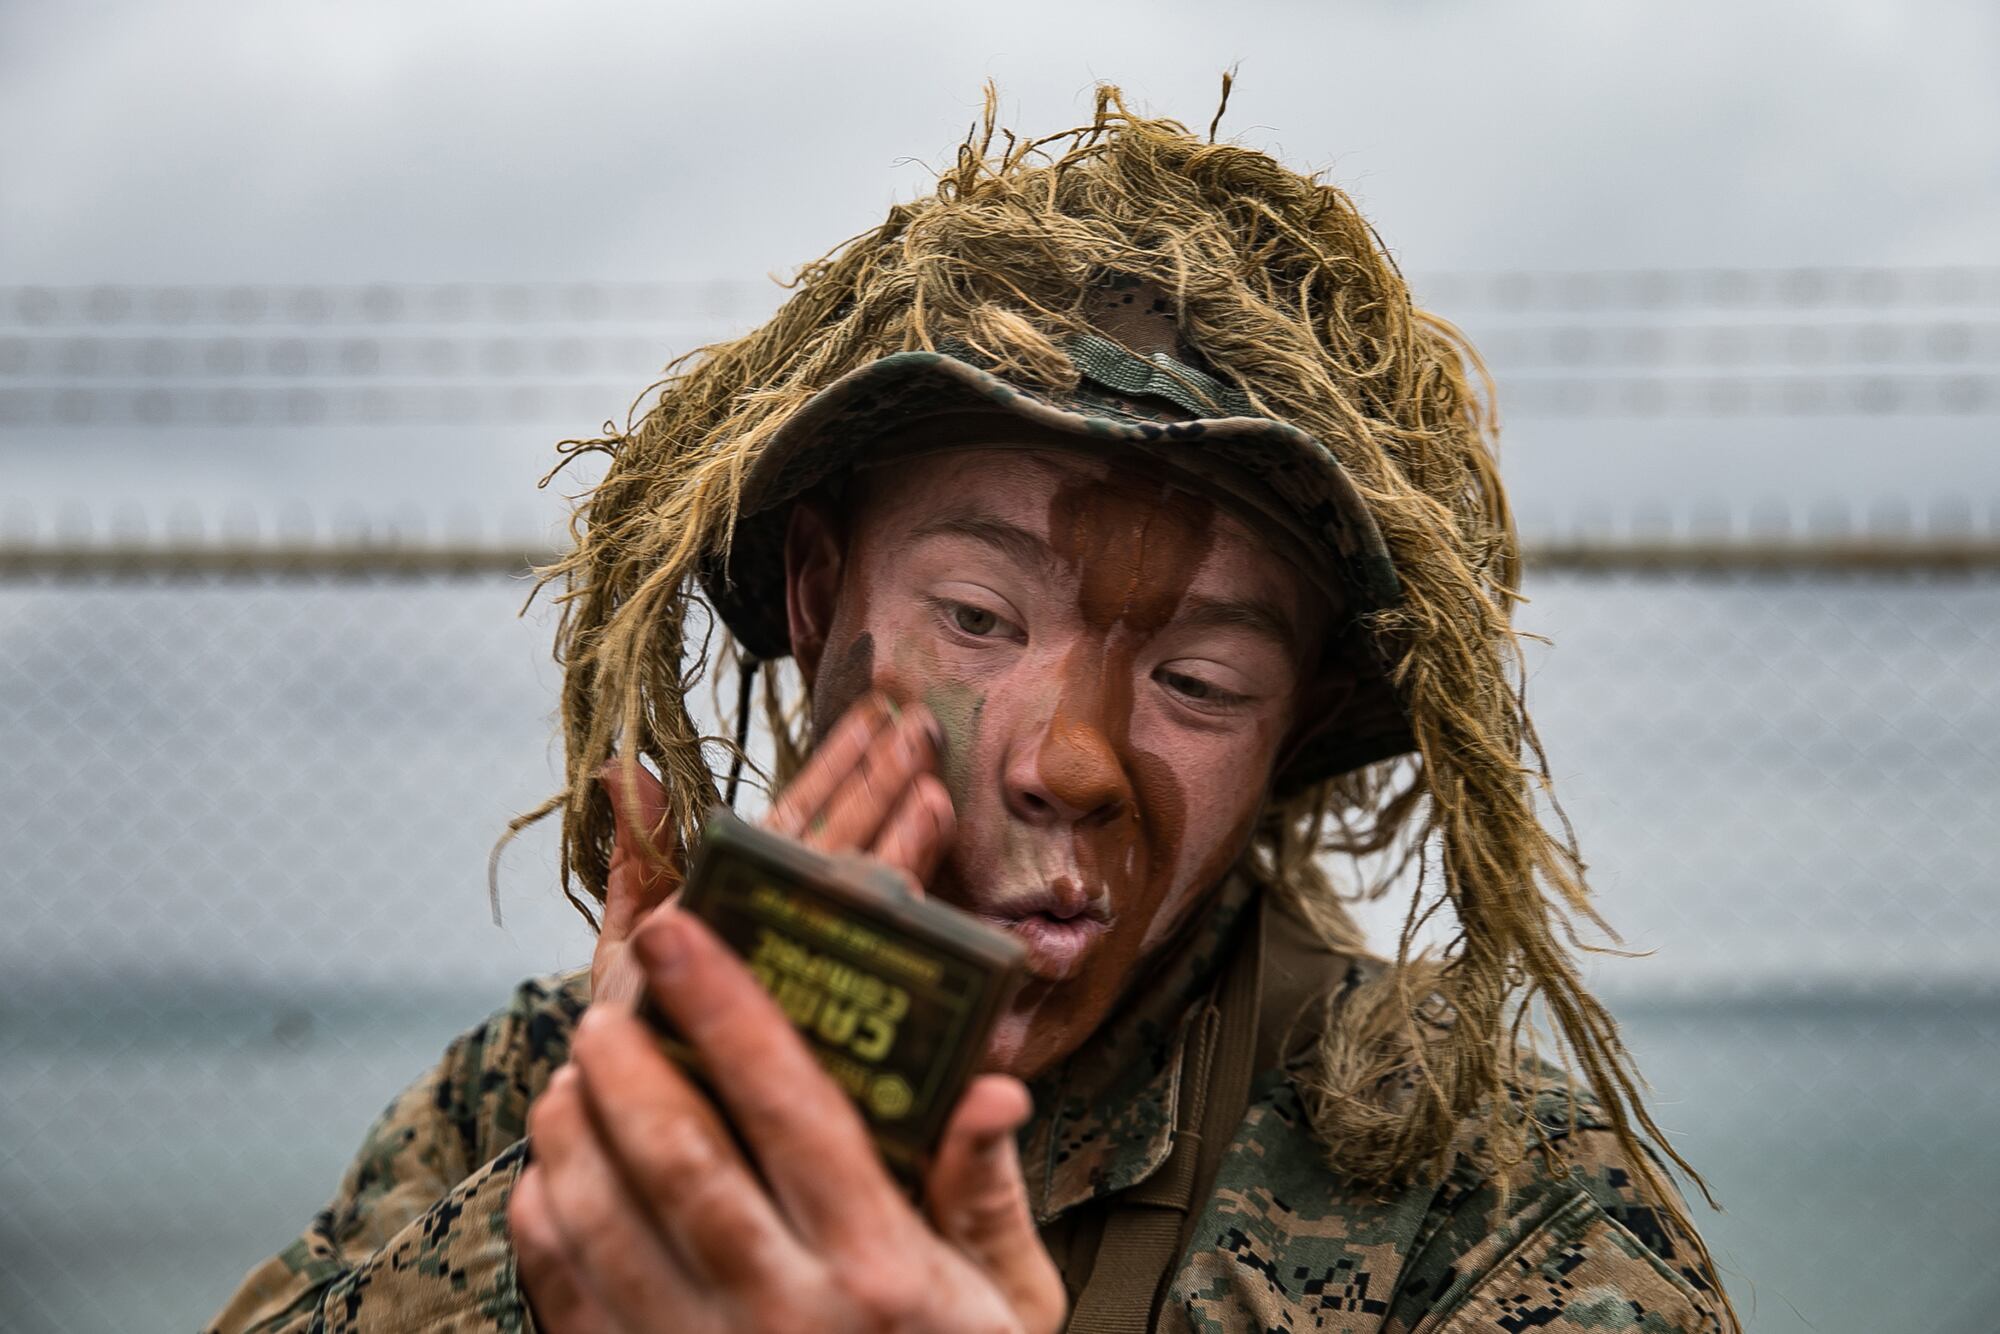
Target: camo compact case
[[895, 994]]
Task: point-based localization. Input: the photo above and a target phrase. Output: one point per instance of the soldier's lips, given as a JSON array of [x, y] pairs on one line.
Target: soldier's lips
[[1057, 941]]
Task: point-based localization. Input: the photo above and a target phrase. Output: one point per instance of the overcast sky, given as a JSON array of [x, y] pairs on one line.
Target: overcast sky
[[225, 141], [235, 140]]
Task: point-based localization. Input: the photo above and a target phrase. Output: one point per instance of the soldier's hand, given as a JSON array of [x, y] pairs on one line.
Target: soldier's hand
[[646, 869], [871, 789], [639, 1212]]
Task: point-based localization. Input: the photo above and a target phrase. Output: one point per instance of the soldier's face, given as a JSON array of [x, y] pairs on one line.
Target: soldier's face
[[1116, 664]]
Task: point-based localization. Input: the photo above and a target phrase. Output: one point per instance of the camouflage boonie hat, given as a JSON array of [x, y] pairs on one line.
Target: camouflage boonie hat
[[1142, 390]]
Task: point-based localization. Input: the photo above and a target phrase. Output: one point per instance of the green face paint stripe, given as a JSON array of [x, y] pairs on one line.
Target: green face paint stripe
[[957, 707]]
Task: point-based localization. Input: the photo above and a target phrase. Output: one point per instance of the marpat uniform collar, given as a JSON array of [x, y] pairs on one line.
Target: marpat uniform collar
[[1104, 1120]]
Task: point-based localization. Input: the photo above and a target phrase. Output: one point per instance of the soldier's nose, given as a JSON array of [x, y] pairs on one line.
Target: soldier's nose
[[1072, 775]]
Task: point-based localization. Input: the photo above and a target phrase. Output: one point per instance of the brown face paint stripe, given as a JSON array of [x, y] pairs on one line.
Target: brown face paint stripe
[[1134, 546]]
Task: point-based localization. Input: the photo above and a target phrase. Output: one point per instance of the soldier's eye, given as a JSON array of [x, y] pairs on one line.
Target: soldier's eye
[[975, 621], [1197, 691]]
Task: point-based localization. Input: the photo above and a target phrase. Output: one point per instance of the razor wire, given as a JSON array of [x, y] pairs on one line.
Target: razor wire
[[500, 401], [1809, 342], [1798, 289]]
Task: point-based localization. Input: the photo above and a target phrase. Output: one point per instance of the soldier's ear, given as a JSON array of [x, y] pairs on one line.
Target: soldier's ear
[[815, 554]]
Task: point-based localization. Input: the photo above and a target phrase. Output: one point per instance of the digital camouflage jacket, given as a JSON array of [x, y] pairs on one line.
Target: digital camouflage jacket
[[416, 1237]]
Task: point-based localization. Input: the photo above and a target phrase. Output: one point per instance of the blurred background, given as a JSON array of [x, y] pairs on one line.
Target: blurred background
[[296, 299]]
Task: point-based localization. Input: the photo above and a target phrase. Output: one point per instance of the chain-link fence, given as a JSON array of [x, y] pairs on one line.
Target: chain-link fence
[[247, 818], [250, 778]]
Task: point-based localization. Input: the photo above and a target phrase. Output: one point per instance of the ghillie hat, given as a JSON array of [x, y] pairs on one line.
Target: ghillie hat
[[1291, 316], [1140, 389]]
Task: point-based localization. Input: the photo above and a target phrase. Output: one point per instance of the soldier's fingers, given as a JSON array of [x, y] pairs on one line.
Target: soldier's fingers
[[918, 831], [831, 764], [554, 1289], [618, 1258], [676, 1158], [978, 1200], [808, 1138], [853, 816], [644, 855]]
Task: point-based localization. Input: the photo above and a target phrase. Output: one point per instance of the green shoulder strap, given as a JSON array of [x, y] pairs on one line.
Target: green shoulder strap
[[1147, 1227]]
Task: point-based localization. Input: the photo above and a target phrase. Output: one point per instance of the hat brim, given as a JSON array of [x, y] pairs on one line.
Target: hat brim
[[1286, 471]]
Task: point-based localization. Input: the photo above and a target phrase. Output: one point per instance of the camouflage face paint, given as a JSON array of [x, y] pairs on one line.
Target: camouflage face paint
[[842, 681], [957, 708], [1134, 547], [1096, 804]]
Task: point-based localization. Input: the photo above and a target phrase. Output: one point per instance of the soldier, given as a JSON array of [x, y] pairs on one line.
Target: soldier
[[1138, 547]]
